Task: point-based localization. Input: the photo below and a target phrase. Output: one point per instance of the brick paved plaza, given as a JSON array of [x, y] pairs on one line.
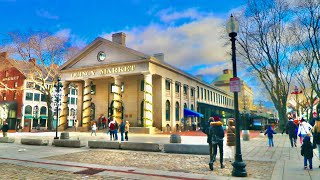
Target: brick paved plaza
[[49, 162]]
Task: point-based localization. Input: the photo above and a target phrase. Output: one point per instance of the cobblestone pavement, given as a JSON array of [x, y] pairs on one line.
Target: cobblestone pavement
[[161, 161], [11, 171]]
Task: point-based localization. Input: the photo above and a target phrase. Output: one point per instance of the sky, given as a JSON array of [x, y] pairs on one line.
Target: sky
[[190, 33]]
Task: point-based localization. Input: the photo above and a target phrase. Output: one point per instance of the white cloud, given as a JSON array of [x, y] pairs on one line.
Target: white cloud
[[46, 14], [63, 33], [214, 70], [194, 43]]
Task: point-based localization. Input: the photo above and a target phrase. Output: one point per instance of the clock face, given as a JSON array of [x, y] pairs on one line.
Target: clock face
[[101, 56]]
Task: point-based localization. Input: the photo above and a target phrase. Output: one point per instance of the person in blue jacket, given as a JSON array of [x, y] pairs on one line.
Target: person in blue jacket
[[270, 133]]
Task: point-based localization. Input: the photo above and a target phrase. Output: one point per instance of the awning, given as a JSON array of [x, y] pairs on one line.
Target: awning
[[189, 112]]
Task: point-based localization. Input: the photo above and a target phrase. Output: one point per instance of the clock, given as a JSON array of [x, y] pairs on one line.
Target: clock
[[101, 56]]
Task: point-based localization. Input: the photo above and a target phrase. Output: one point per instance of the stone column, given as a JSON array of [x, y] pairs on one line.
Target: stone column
[[173, 106], [117, 99], [86, 101], [64, 105], [148, 106]]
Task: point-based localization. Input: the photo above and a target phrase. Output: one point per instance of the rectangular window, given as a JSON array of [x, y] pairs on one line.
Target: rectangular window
[[37, 87], [167, 84], [73, 91], [29, 96], [122, 87], [15, 84], [36, 97], [185, 88], [72, 100], [211, 95], [192, 92], [198, 92], [201, 93], [142, 85], [177, 85], [43, 98], [93, 89], [30, 85], [205, 94]]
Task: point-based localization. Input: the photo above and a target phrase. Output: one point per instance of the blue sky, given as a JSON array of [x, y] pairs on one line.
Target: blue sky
[[190, 33]]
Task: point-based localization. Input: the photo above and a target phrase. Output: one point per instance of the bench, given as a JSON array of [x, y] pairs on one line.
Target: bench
[[68, 143], [104, 144], [186, 149], [138, 146], [6, 140], [37, 142]]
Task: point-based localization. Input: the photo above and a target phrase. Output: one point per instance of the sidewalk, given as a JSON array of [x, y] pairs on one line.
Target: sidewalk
[[283, 161]]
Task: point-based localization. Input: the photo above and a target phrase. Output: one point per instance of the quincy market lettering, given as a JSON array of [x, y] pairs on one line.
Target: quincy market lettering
[[105, 71]]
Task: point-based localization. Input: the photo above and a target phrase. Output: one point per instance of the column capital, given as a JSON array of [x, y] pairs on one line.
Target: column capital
[[116, 77]]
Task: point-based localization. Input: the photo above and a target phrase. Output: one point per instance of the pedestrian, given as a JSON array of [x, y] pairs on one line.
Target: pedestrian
[[291, 131], [216, 135], [94, 129], [307, 152], [111, 129], [116, 128], [304, 129], [231, 137], [126, 131], [122, 129], [104, 122], [270, 133], [316, 136], [5, 128]]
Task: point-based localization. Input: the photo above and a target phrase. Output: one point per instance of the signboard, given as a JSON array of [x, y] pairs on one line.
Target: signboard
[[235, 84]]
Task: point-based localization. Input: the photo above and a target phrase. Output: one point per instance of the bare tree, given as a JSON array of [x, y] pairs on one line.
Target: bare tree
[[267, 46], [41, 53], [306, 29]]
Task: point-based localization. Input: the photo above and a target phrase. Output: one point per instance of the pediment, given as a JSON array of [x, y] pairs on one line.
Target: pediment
[[114, 53]]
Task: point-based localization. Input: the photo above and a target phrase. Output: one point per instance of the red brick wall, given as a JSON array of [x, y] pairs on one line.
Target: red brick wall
[[13, 76]]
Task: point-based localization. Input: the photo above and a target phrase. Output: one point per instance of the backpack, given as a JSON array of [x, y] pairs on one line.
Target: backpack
[[215, 139], [112, 126]]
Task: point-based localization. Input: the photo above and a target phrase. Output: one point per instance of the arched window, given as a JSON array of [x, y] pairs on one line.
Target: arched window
[[192, 107], [177, 112], [93, 111], [72, 112], [28, 110], [167, 110], [43, 110]]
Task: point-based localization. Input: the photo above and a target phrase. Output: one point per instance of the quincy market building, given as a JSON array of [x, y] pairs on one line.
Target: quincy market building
[[117, 81]]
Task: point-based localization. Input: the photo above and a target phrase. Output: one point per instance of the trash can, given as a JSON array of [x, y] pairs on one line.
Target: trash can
[[175, 138]]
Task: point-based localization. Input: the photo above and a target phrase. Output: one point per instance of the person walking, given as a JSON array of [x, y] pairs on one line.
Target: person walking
[[231, 138], [270, 133], [94, 129], [111, 129], [126, 131], [316, 136], [291, 131], [75, 125], [307, 152], [122, 129], [115, 132], [4, 129], [304, 129], [216, 135]]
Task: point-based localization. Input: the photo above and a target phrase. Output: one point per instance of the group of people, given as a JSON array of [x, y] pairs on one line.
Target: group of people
[[113, 127], [305, 132]]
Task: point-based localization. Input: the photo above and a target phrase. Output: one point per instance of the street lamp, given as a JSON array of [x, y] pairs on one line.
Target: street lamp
[[239, 167], [57, 86], [296, 92], [35, 116]]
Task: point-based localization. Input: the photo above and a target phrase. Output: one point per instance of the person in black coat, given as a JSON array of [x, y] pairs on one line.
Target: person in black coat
[[291, 130], [215, 139], [5, 129], [307, 152]]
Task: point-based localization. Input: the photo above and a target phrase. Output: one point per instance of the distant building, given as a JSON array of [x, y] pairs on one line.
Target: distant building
[[245, 96]]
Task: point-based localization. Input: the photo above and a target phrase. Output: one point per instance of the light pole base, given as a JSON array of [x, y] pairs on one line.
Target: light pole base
[[56, 138], [239, 169], [245, 135]]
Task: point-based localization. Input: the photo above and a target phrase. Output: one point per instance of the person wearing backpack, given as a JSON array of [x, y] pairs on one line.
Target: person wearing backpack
[[215, 136], [111, 129]]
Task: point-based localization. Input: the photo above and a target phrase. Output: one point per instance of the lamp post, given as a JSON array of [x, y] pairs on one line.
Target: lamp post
[[239, 167], [296, 92], [35, 115], [57, 88]]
